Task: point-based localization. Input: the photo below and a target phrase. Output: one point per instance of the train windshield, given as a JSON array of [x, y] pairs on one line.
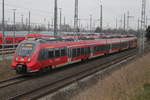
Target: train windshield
[[25, 50]]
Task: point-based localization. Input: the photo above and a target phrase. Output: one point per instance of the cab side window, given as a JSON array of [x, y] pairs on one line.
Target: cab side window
[[43, 54]]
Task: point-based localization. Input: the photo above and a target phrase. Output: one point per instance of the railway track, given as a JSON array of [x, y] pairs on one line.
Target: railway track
[[11, 81], [8, 45], [53, 87], [7, 51], [39, 86]]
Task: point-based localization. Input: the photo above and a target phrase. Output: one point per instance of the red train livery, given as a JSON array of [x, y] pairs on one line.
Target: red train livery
[[9, 40], [37, 54]]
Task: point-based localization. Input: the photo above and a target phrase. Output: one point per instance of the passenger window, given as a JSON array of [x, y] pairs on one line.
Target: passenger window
[[50, 54], [95, 48], [82, 51], [78, 52], [100, 48], [57, 53], [89, 50], [63, 52], [74, 54]]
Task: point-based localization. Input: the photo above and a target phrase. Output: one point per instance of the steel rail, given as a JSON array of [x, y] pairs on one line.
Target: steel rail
[[11, 81]]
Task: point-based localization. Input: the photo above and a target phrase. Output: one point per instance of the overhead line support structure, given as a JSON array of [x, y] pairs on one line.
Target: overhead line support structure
[[76, 18], [55, 19], [142, 33], [101, 16]]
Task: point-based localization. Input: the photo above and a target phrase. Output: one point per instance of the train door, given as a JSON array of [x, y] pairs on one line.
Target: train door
[[43, 57], [69, 54], [111, 46], [51, 55], [57, 59], [107, 48], [92, 50], [63, 55]]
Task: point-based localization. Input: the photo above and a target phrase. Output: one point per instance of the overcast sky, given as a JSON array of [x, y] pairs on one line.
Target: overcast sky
[[43, 9]]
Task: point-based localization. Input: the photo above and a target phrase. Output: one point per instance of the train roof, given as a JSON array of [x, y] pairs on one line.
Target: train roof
[[42, 40], [85, 42], [74, 43]]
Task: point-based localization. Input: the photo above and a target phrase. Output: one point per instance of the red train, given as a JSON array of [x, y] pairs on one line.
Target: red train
[[9, 40], [38, 54]]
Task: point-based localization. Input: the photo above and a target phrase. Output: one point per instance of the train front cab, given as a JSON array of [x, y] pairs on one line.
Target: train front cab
[[25, 58]]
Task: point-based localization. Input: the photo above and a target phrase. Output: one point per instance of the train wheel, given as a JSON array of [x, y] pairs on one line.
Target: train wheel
[[46, 69], [85, 60], [106, 54], [50, 68], [41, 71]]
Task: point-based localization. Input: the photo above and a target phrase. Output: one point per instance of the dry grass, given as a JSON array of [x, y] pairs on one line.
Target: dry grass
[[124, 84], [5, 70], [145, 94]]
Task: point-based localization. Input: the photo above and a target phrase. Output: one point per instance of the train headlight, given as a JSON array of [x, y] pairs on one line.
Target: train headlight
[[29, 59], [16, 58]]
